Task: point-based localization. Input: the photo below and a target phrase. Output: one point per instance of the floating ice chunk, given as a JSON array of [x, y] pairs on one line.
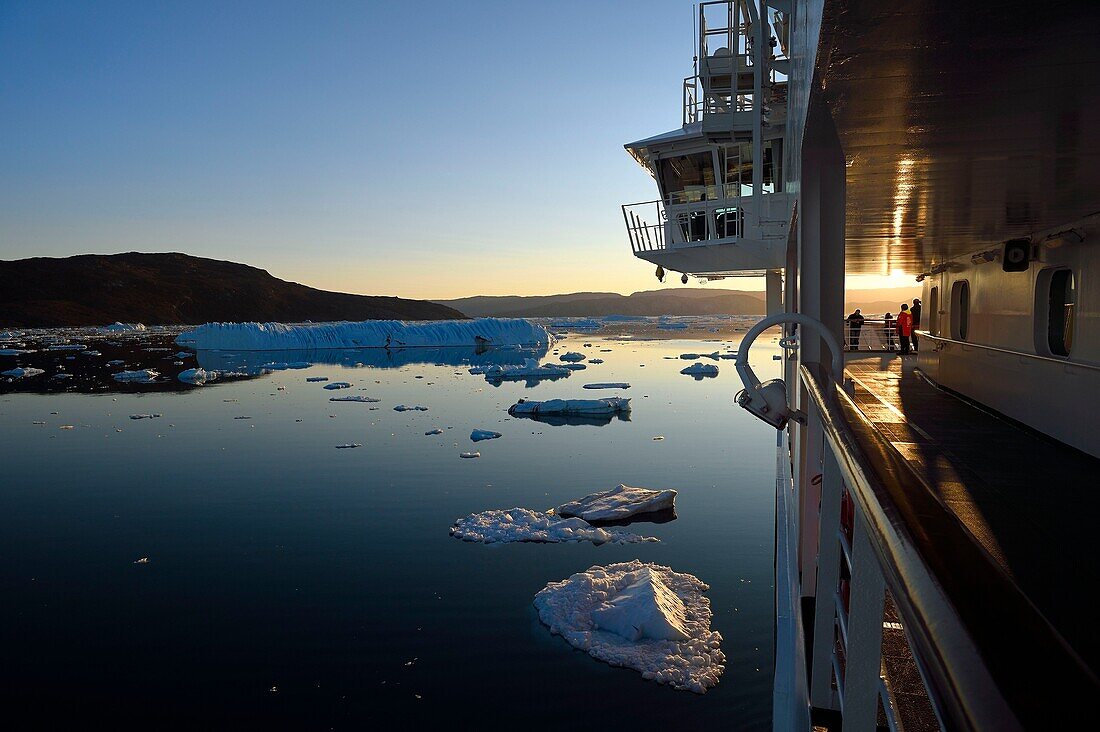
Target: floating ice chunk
[[479, 435], [691, 659], [572, 356], [316, 378], [355, 398], [144, 416], [122, 327], [11, 335], [470, 455], [198, 376], [607, 385], [407, 408], [777, 357], [529, 370], [116, 362], [570, 407], [68, 347], [89, 353], [694, 356], [523, 524], [618, 503], [434, 431], [644, 609], [365, 334], [140, 376], [22, 372], [700, 369], [728, 356], [575, 366], [478, 370], [15, 351], [348, 445], [62, 376], [337, 385], [595, 360]]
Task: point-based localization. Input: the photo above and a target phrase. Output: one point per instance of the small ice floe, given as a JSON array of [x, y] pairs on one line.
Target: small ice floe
[[470, 455], [693, 356], [283, 365], [524, 525], [478, 370], [198, 376], [337, 385], [607, 385], [142, 376], [116, 362], [434, 431], [144, 416], [355, 398], [777, 357], [62, 376], [407, 408], [728, 356], [143, 560], [15, 351], [618, 504], [595, 360], [348, 445], [90, 353], [572, 357], [570, 407], [529, 370], [67, 427], [184, 354], [479, 435], [640, 616], [316, 378], [699, 370], [22, 372], [68, 347], [575, 366]]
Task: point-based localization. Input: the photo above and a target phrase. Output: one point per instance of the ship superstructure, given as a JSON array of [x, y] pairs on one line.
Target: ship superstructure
[[934, 511]]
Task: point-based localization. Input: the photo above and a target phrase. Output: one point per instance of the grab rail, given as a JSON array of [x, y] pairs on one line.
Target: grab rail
[[1009, 352], [988, 658]]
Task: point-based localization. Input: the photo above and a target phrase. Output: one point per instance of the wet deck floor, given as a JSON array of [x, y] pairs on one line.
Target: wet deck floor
[[1033, 504]]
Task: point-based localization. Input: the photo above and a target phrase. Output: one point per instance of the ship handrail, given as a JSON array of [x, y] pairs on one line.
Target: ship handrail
[[976, 638], [1009, 351]]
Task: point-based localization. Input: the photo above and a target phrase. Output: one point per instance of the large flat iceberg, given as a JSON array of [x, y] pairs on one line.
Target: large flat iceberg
[[640, 616], [365, 334], [530, 370], [618, 504], [570, 407], [523, 524]]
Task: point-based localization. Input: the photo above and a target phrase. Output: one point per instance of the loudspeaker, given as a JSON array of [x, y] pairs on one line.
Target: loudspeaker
[[1017, 255]]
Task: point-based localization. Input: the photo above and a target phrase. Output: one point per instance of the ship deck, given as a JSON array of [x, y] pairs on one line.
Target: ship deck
[[1031, 503]]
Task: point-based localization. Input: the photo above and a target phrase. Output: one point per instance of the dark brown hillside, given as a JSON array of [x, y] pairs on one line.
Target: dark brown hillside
[[166, 289]]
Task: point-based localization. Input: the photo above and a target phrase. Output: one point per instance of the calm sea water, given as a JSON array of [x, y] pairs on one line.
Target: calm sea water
[[291, 584]]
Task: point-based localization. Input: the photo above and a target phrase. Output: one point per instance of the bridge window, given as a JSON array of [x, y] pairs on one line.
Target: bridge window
[[688, 178], [960, 310], [1055, 296], [737, 168]]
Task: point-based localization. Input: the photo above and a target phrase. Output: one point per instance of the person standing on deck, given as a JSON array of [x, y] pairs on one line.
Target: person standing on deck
[[915, 310], [905, 328], [888, 331], [855, 325]]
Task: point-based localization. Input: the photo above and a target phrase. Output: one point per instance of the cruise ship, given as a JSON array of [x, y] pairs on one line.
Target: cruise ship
[[935, 511]]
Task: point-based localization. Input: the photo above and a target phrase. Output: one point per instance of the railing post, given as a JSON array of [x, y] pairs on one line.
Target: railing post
[[863, 670], [828, 575]]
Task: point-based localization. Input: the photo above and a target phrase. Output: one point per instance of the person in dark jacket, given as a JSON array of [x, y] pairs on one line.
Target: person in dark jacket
[[855, 325], [915, 310]]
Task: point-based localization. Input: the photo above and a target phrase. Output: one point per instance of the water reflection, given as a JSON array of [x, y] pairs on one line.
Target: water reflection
[[383, 358]]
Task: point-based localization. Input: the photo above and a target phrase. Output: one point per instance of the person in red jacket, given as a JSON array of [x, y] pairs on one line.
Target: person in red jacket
[[905, 328]]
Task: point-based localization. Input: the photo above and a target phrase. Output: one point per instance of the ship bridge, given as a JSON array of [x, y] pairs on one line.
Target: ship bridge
[[722, 208]]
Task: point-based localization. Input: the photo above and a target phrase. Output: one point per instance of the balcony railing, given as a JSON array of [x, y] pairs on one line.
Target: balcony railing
[[645, 225]]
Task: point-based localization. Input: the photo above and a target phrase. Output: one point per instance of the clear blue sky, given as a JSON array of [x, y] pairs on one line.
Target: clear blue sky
[[422, 149]]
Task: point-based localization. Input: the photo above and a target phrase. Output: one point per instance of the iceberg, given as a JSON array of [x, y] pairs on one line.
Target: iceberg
[[607, 385], [22, 372], [407, 408], [337, 385], [198, 376], [479, 435], [434, 431], [470, 455], [640, 616], [524, 525], [355, 398], [570, 407], [365, 334], [117, 327], [572, 357], [619, 503], [529, 370], [142, 376], [700, 369]]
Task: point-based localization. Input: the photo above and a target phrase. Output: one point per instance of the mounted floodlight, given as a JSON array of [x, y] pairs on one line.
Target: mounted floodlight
[[768, 401], [684, 278]]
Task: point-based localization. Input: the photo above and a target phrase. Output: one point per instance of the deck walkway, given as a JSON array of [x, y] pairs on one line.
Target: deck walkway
[[1033, 504]]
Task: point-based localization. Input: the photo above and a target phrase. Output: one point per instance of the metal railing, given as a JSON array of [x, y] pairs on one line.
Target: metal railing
[[987, 658], [645, 225], [876, 334]]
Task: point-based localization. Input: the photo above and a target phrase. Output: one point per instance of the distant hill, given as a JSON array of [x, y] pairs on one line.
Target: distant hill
[[672, 301], [166, 289]]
